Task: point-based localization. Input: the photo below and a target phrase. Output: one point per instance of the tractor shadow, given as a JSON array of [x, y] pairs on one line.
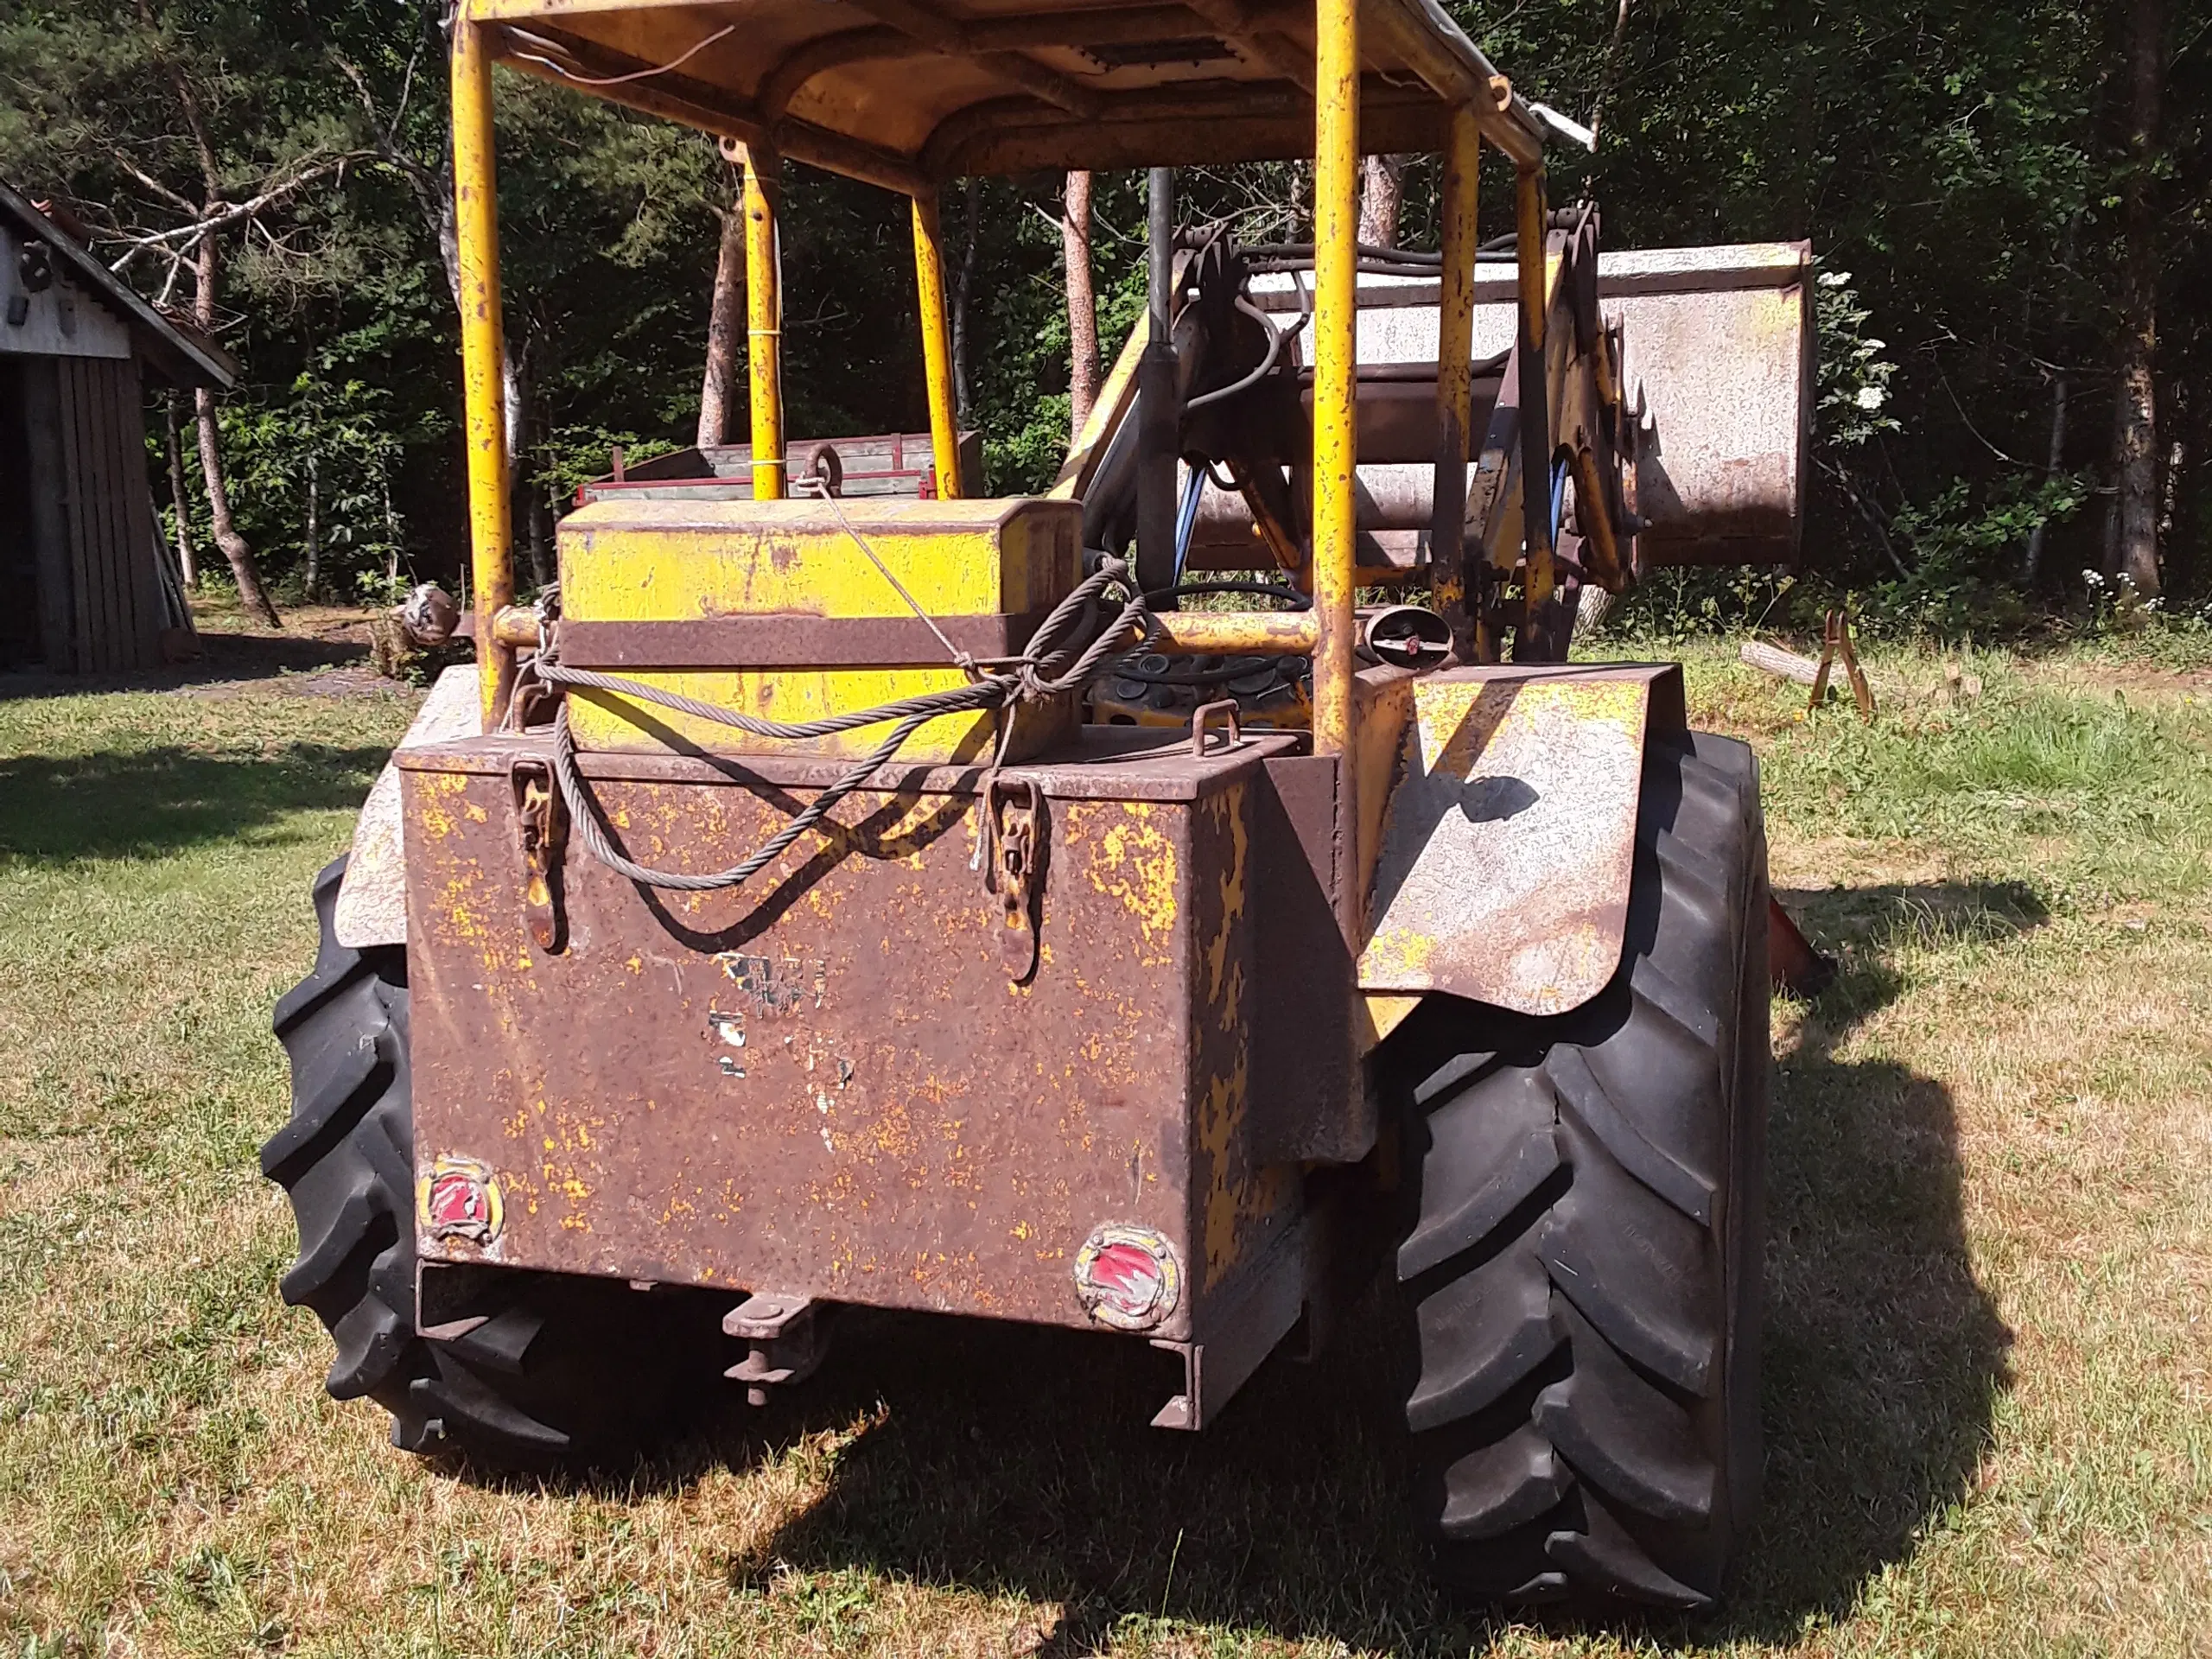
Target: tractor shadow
[[221, 658], [1009, 1460], [145, 803]]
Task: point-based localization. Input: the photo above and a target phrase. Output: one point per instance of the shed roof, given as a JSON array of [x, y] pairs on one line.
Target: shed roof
[[180, 356], [908, 92]]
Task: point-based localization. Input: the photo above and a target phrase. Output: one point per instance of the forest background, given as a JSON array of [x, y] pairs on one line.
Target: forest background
[[2008, 203]]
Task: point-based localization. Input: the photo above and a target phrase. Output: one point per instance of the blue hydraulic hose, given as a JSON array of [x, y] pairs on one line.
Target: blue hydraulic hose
[[1186, 518]]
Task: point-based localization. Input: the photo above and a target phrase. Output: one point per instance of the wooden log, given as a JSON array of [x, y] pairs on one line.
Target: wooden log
[[1784, 664]]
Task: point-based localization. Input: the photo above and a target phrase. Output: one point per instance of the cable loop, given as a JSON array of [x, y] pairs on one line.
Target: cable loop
[[1054, 663]]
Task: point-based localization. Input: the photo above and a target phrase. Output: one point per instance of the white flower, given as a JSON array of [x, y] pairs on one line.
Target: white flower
[[1870, 397]]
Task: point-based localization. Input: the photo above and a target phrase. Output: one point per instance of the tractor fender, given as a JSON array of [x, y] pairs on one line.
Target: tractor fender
[[1509, 836], [372, 902]]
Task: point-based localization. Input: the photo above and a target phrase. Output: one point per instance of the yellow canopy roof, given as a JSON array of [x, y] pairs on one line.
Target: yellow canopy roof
[[907, 92]]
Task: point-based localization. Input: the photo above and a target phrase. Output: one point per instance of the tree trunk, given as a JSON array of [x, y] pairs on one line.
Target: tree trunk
[[725, 328], [1381, 194], [187, 559], [235, 547], [518, 394], [537, 517], [315, 526], [1082, 309], [2136, 557], [963, 285], [1605, 79], [392, 544], [2061, 388], [540, 522], [514, 402], [236, 550]]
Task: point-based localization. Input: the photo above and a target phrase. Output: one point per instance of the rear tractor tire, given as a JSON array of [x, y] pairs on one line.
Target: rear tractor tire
[[553, 1367], [1577, 1269]]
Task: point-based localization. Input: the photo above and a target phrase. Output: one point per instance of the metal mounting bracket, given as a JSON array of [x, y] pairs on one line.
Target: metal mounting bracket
[[787, 1339]]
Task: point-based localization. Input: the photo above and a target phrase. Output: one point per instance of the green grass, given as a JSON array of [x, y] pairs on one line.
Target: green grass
[[1988, 1283]]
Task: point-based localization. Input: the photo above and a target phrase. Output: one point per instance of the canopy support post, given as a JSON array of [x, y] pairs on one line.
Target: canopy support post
[[764, 308], [936, 348], [1336, 300], [483, 367], [1336, 219], [1160, 414]]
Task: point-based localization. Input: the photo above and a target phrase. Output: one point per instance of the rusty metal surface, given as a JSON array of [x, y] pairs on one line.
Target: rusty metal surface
[[1307, 1102], [1794, 963], [1241, 1332], [784, 639], [1101, 763], [372, 899], [825, 1084], [1504, 875]]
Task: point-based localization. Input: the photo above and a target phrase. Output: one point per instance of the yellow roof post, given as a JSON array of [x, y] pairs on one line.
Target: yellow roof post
[[1336, 266], [483, 351], [764, 308], [936, 348], [1336, 448]]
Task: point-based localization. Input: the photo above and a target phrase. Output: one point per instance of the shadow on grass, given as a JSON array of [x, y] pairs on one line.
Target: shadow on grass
[[139, 803], [223, 656], [1013, 1459]]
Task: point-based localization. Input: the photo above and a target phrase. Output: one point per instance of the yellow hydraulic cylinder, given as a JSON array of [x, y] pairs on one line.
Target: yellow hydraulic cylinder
[[1455, 375], [1535, 391], [764, 308], [936, 348], [483, 351], [1233, 633], [1336, 264]]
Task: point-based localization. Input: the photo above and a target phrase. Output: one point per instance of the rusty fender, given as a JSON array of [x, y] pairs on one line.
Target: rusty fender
[[1509, 836]]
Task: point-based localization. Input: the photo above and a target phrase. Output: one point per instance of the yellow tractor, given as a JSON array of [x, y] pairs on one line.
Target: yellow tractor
[[912, 899]]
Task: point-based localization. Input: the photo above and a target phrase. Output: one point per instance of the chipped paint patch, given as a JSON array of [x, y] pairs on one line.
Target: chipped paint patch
[[1136, 864], [777, 984]]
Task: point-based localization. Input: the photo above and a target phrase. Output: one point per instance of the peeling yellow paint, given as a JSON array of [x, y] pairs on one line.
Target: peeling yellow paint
[[1136, 864]]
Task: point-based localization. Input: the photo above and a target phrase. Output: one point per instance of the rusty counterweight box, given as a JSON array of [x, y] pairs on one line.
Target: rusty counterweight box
[[824, 1083]]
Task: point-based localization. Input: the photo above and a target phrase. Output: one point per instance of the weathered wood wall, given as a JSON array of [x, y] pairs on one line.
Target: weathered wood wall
[[101, 604]]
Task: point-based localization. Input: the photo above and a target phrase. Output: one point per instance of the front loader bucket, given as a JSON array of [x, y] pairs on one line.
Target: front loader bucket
[[1718, 367], [1716, 372]]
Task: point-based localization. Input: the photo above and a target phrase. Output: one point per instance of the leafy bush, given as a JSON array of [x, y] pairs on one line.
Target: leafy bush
[[326, 452], [1965, 556]]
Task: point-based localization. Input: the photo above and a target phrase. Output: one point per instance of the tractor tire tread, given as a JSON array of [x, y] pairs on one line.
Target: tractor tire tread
[[1582, 1338]]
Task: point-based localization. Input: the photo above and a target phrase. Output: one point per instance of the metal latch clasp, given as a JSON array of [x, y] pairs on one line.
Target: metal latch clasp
[[1013, 813], [1202, 719], [541, 837]]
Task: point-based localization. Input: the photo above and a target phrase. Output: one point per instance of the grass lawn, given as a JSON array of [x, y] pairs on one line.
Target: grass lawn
[[1989, 1283]]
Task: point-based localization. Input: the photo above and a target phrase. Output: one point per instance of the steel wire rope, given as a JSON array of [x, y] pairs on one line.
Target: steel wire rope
[[569, 74], [1043, 670]]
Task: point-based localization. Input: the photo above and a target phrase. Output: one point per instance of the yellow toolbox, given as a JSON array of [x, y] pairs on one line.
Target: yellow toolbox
[[776, 609]]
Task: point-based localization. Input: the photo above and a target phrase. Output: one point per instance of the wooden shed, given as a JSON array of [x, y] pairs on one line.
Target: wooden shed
[[86, 582]]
